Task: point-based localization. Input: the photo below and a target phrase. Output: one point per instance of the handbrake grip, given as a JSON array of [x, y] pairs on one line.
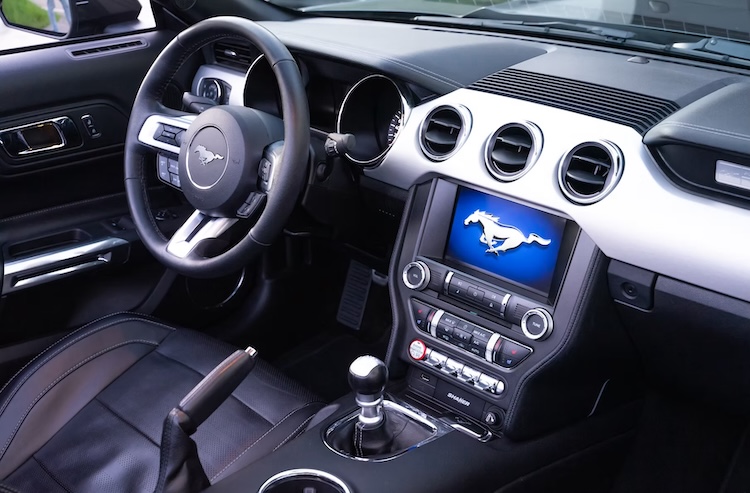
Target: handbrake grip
[[216, 387]]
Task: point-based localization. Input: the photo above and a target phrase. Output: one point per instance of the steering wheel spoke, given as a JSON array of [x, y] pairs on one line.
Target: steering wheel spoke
[[198, 227], [164, 132]]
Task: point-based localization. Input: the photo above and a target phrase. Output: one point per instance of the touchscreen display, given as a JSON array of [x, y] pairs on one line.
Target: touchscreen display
[[506, 239]]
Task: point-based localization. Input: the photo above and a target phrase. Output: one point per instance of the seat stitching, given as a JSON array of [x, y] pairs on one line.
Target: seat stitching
[[258, 440], [121, 418], [8, 489], [294, 433], [52, 476], [59, 379], [67, 345]]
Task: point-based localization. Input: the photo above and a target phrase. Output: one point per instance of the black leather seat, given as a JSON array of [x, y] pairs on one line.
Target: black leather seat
[[86, 415]]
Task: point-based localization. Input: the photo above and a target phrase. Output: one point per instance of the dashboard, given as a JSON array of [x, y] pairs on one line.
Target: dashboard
[[531, 170], [414, 121]]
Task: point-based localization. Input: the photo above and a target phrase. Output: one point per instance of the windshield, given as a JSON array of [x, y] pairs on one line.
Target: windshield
[[725, 19]]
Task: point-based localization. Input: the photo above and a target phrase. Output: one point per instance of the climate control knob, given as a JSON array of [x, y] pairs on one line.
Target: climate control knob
[[536, 324], [416, 275]]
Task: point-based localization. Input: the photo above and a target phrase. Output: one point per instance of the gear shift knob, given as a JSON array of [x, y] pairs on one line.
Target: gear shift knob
[[367, 378]]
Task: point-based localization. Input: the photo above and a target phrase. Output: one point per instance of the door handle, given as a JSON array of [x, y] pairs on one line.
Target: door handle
[[42, 136]]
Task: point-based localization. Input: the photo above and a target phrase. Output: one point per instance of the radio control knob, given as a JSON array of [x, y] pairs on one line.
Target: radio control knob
[[416, 275], [536, 324]]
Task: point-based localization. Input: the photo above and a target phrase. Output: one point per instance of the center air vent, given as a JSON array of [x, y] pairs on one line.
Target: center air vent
[[589, 171], [512, 150], [443, 132], [235, 54]]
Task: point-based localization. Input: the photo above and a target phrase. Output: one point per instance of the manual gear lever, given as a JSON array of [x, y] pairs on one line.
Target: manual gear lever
[[367, 378]]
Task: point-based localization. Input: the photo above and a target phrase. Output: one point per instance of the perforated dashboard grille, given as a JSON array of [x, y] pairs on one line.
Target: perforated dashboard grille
[[635, 110]]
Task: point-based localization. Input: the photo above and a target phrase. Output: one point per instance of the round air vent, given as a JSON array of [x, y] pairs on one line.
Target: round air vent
[[512, 150], [589, 171], [443, 131]]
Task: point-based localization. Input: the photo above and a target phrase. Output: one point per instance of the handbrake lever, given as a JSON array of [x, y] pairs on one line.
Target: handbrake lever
[[215, 388], [180, 469]]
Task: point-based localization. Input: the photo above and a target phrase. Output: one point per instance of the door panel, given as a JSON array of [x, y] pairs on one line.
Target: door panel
[[68, 249]]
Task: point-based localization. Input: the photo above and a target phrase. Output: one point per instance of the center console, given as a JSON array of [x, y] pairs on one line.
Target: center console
[[491, 292], [503, 342]]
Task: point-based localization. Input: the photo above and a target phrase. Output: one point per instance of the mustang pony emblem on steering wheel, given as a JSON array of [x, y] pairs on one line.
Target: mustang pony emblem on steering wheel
[[206, 156], [492, 230]]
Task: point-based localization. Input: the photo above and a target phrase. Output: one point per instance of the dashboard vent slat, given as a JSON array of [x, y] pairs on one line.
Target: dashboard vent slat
[[590, 171], [635, 110], [443, 132], [106, 49], [512, 149], [234, 54]]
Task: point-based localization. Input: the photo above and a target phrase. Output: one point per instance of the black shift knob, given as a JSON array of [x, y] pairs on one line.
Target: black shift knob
[[368, 376]]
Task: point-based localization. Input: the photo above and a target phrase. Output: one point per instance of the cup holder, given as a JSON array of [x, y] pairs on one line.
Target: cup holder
[[304, 481]]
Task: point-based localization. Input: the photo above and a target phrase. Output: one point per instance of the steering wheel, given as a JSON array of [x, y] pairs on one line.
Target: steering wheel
[[235, 163]]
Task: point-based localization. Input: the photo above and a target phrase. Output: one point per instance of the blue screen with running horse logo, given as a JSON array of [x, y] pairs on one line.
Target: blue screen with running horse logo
[[504, 238]]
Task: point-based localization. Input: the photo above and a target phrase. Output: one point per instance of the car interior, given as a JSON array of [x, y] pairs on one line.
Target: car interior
[[351, 247]]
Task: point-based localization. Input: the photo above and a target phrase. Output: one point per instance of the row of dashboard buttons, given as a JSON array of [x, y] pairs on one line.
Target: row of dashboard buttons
[[463, 372], [492, 301], [469, 337]]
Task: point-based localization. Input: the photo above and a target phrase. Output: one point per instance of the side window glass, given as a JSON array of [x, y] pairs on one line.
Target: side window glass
[[34, 22]]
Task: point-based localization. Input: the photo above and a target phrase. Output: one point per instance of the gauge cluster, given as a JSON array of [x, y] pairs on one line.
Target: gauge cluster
[[341, 98]]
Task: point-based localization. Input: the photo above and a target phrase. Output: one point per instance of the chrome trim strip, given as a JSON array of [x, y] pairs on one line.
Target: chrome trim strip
[[405, 113], [491, 346], [447, 282], [54, 122], [291, 473], [483, 438], [537, 142], [197, 227], [618, 163], [45, 267], [435, 321], [146, 134]]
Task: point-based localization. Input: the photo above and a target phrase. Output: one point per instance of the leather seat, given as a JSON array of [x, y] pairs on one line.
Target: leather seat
[[86, 415]]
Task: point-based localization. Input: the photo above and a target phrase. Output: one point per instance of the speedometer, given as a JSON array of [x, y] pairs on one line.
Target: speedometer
[[374, 110], [395, 126]]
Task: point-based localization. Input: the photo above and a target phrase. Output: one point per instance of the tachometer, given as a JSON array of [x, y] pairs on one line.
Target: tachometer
[[395, 126]]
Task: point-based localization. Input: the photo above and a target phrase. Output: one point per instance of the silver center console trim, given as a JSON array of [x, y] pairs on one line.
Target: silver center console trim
[[438, 428], [291, 473]]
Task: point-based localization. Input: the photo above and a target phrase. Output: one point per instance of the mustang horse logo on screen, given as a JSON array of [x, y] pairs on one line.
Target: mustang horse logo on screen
[[493, 231], [206, 156]]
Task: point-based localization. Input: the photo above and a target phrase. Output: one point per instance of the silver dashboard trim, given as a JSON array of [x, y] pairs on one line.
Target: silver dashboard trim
[[628, 225]]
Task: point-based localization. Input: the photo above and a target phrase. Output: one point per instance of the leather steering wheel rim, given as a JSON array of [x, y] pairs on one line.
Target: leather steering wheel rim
[[289, 171]]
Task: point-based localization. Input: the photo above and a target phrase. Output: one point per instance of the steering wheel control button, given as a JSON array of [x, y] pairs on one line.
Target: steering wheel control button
[[536, 324], [416, 275], [253, 204], [163, 164], [417, 350], [511, 354]]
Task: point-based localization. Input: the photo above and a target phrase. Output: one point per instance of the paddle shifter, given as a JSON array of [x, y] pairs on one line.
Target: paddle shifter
[[367, 378]]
